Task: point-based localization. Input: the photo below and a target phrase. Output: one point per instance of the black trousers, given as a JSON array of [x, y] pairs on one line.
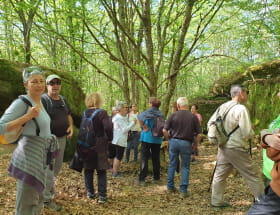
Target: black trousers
[[148, 149], [102, 181]]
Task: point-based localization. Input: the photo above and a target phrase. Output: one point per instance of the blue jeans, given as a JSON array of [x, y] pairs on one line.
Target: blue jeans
[[268, 204], [133, 144], [184, 149]]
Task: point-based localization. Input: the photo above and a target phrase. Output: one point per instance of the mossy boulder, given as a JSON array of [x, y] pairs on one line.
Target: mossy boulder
[[11, 86], [263, 82]]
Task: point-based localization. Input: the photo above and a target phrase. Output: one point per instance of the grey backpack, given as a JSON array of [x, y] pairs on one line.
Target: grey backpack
[[216, 130]]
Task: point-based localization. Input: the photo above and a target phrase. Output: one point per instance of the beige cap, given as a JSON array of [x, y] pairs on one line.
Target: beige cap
[[51, 77]]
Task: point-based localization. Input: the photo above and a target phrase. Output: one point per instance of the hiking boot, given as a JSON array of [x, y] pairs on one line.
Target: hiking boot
[[171, 190], [140, 183], [219, 207], [194, 161], [117, 175], [102, 199], [184, 195], [52, 205], [91, 195]]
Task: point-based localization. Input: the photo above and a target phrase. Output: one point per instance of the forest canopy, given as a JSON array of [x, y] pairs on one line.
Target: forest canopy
[[130, 50]]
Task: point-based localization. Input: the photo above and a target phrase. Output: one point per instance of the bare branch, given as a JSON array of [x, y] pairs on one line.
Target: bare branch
[[114, 57], [200, 33], [200, 58]]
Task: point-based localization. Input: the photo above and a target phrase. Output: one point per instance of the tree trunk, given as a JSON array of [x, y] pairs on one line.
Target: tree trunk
[[147, 26], [176, 64], [26, 22]]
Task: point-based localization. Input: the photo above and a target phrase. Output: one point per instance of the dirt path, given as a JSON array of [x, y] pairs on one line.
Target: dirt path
[[126, 197]]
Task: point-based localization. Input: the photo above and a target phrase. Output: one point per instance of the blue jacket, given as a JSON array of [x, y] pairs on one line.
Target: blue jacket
[[148, 117]]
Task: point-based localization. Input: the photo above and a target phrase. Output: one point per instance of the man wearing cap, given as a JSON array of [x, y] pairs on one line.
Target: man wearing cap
[[61, 126], [235, 153]]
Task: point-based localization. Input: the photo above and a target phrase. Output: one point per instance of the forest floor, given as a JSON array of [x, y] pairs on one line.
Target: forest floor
[[125, 196]]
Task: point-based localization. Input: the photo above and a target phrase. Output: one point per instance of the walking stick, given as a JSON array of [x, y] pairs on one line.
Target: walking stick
[[212, 177]]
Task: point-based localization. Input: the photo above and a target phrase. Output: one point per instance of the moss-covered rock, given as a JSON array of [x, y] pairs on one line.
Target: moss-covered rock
[[263, 82], [11, 86]]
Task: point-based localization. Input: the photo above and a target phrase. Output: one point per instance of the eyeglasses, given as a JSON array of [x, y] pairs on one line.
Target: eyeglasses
[[52, 83]]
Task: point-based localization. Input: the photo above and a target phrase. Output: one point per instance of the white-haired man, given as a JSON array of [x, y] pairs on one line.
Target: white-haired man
[[180, 129], [234, 154]]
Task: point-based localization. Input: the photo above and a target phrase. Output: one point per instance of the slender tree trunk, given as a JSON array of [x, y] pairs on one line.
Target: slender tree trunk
[[176, 64], [147, 26], [26, 17]]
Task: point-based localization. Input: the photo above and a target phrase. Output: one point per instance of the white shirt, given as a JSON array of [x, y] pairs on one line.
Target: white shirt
[[121, 127], [238, 115], [132, 117]]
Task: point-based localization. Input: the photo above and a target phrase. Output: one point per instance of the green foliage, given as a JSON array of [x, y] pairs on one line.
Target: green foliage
[[263, 103], [242, 33]]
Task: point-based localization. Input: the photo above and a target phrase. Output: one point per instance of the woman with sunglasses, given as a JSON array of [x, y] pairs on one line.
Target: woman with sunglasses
[[29, 159]]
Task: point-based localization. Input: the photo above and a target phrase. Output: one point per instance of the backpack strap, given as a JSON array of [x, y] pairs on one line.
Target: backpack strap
[[28, 103], [47, 102], [230, 133], [224, 117], [226, 112], [95, 113], [64, 103]]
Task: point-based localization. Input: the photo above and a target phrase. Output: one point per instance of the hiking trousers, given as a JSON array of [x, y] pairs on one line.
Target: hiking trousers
[[51, 174], [147, 150], [227, 159], [28, 200]]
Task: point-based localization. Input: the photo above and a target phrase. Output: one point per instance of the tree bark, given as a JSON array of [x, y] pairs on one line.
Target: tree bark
[[26, 19]]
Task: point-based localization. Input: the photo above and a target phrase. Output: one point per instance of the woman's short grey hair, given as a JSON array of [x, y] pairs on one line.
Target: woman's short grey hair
[[120, 105], [236, 89], [29, 71], [182, 101]]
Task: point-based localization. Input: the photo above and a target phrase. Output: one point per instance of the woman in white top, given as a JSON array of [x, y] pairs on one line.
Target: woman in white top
[[121, 127]]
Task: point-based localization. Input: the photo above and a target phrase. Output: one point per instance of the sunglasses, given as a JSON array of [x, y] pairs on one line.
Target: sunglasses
[[52, 83], [33, 70]]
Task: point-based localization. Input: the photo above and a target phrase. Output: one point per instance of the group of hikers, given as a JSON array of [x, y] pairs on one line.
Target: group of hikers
[[44, 122]]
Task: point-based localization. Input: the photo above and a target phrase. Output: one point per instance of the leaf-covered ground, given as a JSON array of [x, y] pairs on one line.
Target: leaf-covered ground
[[127, 197]]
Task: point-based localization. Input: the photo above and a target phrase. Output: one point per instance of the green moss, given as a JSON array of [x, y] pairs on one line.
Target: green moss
[[263, 103], [263, 83]]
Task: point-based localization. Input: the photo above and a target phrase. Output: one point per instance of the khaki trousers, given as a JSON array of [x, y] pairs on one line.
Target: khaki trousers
[[28, 200], [228, 159], [52, 174]]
